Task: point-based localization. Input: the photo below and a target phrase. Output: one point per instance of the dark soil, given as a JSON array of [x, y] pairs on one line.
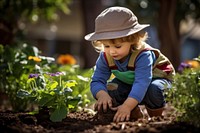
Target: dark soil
[[86, 122]]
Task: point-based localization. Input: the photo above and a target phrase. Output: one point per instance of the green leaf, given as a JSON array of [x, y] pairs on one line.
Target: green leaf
[[30, 80], [46, 98], [73, 101], [70, 83], [23, 93], [53, 85], [59, 114]]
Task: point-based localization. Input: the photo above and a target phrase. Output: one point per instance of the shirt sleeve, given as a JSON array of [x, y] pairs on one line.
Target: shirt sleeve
[[101, 75], [143, 75]]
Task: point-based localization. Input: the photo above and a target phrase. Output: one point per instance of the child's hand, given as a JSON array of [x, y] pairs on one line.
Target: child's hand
[[124, 110], [103, 101], [123, 113]]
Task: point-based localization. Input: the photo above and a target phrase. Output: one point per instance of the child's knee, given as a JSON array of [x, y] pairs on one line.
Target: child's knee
[[155, 97]]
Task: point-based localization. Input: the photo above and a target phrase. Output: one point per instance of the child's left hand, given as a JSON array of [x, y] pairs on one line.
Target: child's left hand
[[122, 114]]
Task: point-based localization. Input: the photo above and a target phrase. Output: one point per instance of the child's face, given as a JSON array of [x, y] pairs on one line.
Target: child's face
[[118, 51]]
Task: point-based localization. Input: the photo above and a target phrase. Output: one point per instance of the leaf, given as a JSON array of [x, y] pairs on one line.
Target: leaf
[[49, 59], [23, 93], [46, 98], [70, 83], [67, 90], [30, 80], [86, 79], [53, 85], [59, 114], [73, 101]]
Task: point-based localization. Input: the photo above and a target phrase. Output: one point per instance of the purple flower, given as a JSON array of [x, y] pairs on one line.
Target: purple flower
[[51, 74], [33, 75], [183, 66], [60, 73]]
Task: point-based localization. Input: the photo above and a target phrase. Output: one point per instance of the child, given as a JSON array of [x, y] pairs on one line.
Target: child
[[141, 72]]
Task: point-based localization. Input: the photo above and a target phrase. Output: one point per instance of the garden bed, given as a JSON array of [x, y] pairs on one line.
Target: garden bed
[[84, 121]]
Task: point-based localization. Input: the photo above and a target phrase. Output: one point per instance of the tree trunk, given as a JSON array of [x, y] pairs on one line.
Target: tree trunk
[[91, 8], [169, 32], [6, 32]]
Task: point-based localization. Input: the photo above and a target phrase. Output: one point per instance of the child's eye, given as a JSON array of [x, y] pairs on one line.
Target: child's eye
[[106, 46], [118, 46]]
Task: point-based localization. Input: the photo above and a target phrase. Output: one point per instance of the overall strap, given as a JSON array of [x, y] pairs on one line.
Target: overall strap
[[134, 55], [110, 61]]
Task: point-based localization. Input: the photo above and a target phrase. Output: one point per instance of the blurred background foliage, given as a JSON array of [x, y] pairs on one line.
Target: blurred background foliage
[[168, 18], [14, 11]]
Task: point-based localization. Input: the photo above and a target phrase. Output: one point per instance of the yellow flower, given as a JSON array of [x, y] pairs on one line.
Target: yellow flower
[[193, 63], [36, 59], [66, 59]]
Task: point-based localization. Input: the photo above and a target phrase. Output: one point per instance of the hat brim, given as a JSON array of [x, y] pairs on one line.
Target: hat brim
[[115, 34]]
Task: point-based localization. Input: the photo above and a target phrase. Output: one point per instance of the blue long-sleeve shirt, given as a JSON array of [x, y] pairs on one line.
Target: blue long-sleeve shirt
[[143, 74]]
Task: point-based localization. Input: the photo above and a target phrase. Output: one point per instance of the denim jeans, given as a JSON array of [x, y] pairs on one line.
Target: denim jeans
[[154, 97]]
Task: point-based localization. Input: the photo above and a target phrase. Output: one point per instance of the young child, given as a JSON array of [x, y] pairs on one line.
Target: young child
[[141, 72]]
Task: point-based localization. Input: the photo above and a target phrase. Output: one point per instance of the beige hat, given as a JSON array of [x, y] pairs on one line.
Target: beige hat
[[115, 22]]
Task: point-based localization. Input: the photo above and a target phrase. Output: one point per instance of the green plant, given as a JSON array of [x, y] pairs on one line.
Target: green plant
[[83, 78], [185, 93], [48, 90], [16, 63]]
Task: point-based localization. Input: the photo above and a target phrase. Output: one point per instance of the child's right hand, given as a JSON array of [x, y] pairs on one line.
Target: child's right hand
[[103, 101]]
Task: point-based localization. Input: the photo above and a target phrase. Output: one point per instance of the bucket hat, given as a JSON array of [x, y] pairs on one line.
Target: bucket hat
[[115, 22]]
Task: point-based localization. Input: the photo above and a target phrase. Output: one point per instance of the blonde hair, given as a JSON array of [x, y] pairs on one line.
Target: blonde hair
[[136, 39]]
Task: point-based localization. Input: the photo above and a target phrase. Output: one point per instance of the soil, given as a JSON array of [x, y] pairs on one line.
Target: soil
[[87, 122]]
